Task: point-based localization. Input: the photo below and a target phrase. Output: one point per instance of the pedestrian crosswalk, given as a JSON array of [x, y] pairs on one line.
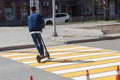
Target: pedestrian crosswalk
[[72, 61]]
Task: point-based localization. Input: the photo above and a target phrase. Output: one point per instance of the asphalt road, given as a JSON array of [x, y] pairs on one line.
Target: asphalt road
[[12, 70], [105, 44]]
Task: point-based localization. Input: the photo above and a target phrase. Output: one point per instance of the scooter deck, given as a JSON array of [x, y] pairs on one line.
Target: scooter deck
[[46, 53]]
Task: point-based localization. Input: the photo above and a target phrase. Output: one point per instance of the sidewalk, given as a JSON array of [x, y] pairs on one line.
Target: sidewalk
[[18, 37]]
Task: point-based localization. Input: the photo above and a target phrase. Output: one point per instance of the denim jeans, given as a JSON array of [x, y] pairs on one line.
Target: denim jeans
[[38, 43]]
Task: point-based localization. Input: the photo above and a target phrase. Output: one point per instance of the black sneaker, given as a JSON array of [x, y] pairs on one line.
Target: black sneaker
[[42, 56], [38, 59]]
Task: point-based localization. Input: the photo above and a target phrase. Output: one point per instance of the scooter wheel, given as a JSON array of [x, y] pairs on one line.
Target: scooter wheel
[[38, 59]]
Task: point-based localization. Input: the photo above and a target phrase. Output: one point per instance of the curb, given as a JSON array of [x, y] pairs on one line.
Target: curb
[[64, 42], [91, 40], [109, 25], [16, 47]]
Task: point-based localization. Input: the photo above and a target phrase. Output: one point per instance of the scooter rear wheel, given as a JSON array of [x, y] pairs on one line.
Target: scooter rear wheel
[[38, 59]]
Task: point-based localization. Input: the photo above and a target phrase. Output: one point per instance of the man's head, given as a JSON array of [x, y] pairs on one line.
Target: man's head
[[33, 9]]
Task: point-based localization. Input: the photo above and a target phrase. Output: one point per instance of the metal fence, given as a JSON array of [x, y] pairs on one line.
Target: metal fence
[[93, 18]]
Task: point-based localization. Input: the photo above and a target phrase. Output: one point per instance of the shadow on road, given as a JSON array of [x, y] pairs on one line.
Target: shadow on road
[[67, 60]]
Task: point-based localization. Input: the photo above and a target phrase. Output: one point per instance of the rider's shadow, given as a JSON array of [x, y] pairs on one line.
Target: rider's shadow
[[66, 61]]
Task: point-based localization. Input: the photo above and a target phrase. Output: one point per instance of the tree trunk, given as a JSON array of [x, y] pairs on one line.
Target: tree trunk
[[106, 14], [106, 10], [105, 4]]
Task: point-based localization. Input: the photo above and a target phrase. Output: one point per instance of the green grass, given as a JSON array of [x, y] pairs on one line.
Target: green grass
[[118, 20]]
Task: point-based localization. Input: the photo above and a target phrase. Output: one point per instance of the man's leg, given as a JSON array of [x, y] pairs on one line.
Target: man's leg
[[40, 43], [39, 48]]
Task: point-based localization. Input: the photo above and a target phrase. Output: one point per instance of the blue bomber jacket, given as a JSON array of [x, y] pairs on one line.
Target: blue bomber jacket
[[35, 22]]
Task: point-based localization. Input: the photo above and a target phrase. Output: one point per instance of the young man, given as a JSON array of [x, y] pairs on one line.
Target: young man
[[36, 24]]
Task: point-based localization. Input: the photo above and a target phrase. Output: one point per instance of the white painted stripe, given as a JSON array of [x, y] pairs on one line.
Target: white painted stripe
[[69, 52], [23, 58], [63, 49], [71, 45], [76, 51], [17, 54], [30, 62], [72, 49], [51, 54], [65, 57], [98, 75], [65, 46], [61, 64], [104, 58], [70, 63], [86, 68], [83, 55]]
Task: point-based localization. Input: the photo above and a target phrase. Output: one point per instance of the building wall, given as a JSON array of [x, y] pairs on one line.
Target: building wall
[[20, 9], [2, 10], [15, 10], [46, 7], [73, 7], [118, 6]]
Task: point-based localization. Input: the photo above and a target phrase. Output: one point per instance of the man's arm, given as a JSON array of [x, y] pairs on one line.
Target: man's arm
[[42, 23]]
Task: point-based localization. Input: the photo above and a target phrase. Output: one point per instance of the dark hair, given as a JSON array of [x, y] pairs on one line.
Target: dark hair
[[33, 8]]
